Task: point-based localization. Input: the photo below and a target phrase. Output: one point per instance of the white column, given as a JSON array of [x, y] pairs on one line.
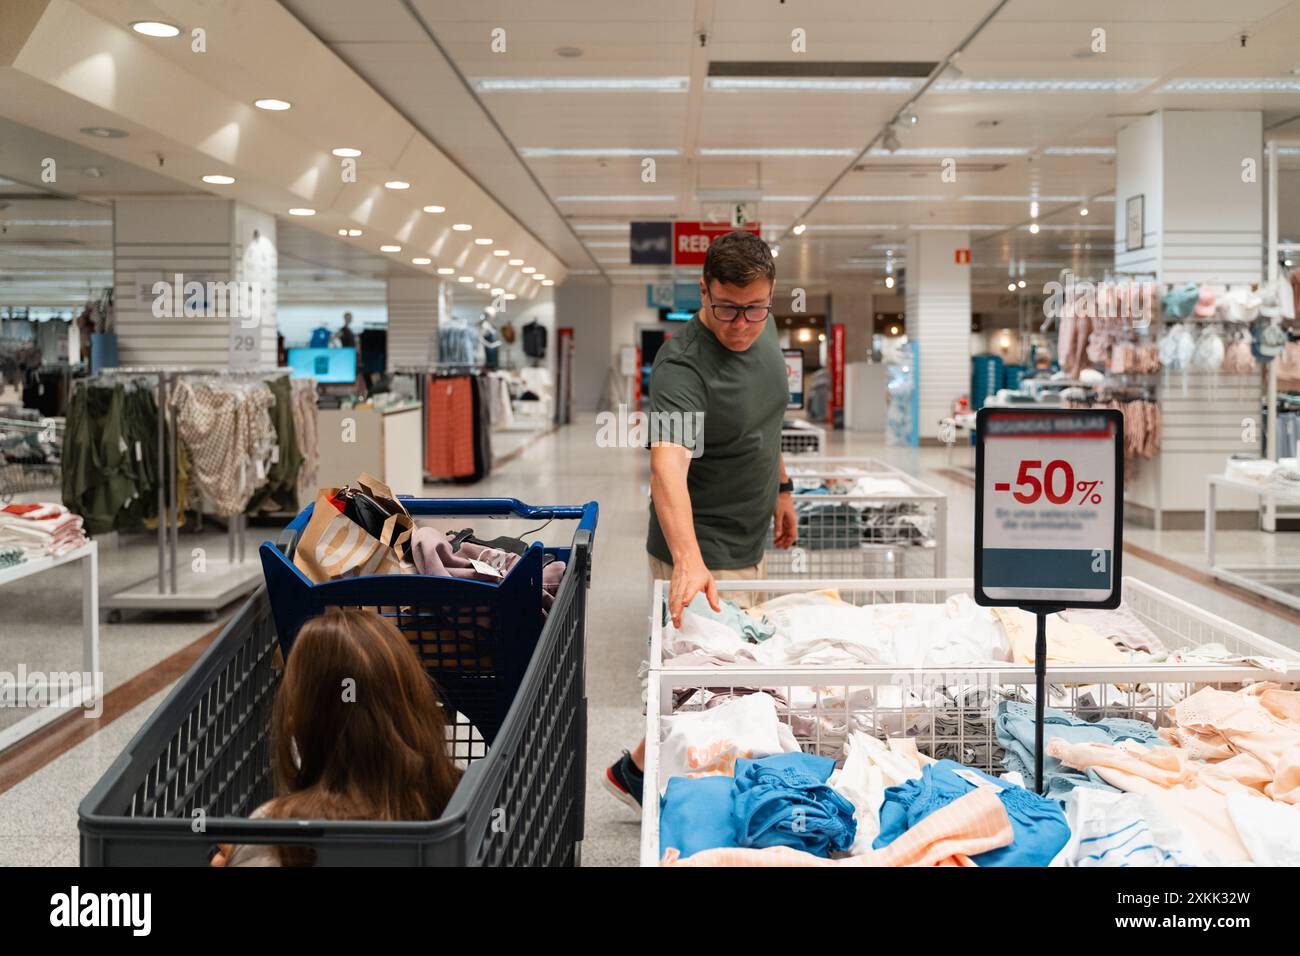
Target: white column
[[1198, 178], [415, 306], [938, 317], [195, 283]]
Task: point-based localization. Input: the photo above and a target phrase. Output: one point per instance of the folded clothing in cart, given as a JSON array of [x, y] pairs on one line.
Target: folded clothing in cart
[[40, 530], [440, 553]]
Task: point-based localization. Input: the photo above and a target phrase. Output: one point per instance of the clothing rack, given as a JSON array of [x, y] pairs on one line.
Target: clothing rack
[[422, 375], [222, 584]]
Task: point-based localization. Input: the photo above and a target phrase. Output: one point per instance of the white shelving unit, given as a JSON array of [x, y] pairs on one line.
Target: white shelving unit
[[1265, 579], [82, 695]]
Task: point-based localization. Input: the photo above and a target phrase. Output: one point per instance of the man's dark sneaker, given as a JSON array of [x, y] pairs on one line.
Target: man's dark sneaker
[[625, 781]]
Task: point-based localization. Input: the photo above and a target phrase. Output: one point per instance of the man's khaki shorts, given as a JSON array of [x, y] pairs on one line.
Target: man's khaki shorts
[[664, 570]]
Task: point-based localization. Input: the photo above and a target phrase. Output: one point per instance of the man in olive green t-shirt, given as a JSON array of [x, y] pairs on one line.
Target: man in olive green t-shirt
[[718, 395]]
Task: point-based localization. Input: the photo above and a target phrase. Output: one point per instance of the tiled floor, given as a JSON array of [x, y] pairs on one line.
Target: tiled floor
[[38, 816]]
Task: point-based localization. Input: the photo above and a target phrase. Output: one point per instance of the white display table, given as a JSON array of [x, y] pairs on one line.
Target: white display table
[[79, 696], [1260, 578]]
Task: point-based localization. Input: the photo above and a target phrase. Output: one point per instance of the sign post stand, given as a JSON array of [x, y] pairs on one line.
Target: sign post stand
[[1049, 494]]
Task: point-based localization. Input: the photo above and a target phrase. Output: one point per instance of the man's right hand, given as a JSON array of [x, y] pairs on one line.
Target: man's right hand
[[689, 579]]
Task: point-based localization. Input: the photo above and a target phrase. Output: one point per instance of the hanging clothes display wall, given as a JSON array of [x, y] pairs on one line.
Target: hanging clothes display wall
[[458, 442]]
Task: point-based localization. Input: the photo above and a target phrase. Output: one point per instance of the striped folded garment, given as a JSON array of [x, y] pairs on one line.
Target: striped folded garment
[[41, 529]]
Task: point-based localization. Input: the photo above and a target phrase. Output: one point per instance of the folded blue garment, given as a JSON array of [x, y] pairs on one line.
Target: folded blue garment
[[783, 800], [1014, 726], [1038, 824], [695, 814], [733, 617]]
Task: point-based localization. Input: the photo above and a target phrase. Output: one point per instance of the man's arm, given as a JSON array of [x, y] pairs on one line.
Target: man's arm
[[786, 525], [672, 501]]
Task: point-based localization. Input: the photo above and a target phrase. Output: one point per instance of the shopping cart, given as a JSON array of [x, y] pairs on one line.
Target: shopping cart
[[949, 712], [201, 764], [30, 453], [802, 438], [901, 532]]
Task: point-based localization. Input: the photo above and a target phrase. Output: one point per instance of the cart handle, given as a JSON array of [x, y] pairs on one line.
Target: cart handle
[[586, 515]]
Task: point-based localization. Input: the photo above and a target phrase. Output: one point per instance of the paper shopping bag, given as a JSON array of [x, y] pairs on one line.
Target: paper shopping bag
[[333, 546]]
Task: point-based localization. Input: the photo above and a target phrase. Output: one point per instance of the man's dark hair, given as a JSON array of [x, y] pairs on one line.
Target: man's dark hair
[[738, 258]]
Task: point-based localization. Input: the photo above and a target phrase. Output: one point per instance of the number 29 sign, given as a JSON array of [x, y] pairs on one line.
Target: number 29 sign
[[1049, 493]]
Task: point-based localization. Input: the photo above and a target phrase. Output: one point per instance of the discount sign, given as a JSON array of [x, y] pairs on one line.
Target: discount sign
[[1049, 508]]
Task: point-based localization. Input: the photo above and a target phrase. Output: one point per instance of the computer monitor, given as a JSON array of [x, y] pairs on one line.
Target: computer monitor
[[327, 366]]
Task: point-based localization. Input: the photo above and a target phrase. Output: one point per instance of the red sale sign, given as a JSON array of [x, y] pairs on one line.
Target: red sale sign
[[691, 239]]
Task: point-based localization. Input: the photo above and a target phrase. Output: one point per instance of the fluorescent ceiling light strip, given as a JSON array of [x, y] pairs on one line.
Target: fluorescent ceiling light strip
[[542, 152], [760, 84], [969, 227], [978, 198], [58, 222], [943, 151], [786, 199], [581, 84], [916, 198], [1230, 85], [1041, 86], [632, 197], [601, 226], [1065, 227], [1079, 151], [775, 151]]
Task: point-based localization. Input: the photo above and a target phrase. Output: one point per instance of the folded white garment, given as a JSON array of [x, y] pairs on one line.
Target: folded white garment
[[709, 742], [1269, 830]]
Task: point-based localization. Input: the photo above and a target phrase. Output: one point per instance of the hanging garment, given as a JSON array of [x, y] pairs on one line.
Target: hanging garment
[[280, 493], [450, 441], [305, 426], [535, 340], [228, 432]]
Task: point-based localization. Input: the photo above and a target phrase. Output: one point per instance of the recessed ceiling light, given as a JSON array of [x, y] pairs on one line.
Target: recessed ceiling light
[[217, 179], [343, 232], [482, 241], [397, 184], [104, 132], [1011, 287], [466, 279], [302, 211], [501, 252], [156, 28], [445, 271], [434, 208], [1083, 210], [798, 229], [548, 282], [776, 251], [1033, 227], [420, 261], [483, 285], [346, 151], [510, 297], [582, 84], [515, 262], [1020, 284], [497, 291], [354, 233], [528, 270], [568, 52], [390, 247], [270, 103], [462, 227], [539, 277]]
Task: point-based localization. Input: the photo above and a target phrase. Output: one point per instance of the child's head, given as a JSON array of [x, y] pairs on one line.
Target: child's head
[[359, 732]]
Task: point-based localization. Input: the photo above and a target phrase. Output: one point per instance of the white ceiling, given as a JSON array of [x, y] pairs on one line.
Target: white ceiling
[[393, 74]]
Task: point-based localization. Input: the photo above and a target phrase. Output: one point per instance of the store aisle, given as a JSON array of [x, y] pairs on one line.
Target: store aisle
[[566, 466]]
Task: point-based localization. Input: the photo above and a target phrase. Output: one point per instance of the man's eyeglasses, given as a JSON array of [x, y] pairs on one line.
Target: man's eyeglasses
[[729, 313]]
